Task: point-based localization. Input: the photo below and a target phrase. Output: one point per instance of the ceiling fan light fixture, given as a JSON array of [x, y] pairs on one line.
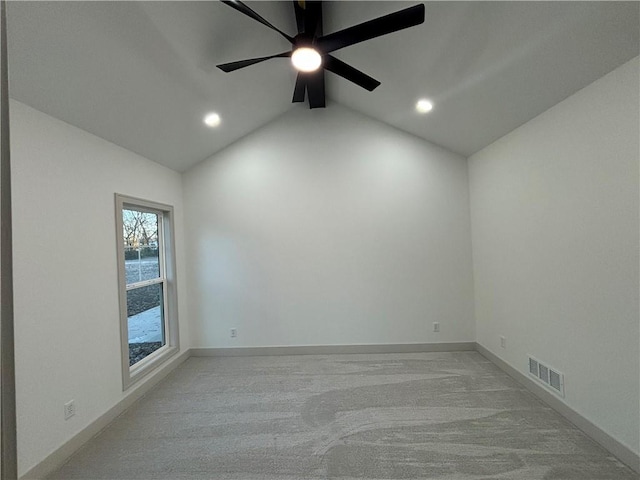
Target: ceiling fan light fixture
[[306, 59], [423, 105], [212, 119]]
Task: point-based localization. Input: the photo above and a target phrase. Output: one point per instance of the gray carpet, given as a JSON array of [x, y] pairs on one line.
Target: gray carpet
[[446, 416]]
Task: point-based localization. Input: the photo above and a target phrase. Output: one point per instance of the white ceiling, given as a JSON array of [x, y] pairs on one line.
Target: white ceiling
[[142, 74]]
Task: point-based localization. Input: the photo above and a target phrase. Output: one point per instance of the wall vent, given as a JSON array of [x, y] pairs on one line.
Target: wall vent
[[533, 367], [544, 373], [548, 376]]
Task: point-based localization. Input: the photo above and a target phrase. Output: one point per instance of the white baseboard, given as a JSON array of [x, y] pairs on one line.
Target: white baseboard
[[621, 451], [58, 457], [333, 349]]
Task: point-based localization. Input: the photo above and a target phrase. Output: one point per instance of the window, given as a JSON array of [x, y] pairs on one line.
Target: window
[[146, 273]]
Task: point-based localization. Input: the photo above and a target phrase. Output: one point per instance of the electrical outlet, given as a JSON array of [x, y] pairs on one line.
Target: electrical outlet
[[69, 409], [436, 326], [234, 332], [503, 341]]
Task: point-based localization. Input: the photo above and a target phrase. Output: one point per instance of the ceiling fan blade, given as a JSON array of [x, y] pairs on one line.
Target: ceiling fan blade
[[354, 75], [242, 8], [393, 22], [315, 88], [230, 67], [300, 88]]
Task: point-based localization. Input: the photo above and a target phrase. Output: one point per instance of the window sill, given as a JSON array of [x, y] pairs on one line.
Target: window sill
[[148, 364]]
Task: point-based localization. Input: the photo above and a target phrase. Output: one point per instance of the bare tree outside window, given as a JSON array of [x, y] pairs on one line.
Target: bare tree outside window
[[139, 228], [140, 235]]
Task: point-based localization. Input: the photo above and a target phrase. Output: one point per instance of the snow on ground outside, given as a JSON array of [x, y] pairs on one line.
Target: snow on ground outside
[[146, 326]]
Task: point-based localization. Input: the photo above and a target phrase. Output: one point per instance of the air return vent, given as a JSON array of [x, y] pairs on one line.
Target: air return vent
[[533, 367], [548, 376], [544, 373]]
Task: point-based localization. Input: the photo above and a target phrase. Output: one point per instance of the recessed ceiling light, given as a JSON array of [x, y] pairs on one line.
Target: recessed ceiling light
[[306, 59], [424, 106], [212, 119]]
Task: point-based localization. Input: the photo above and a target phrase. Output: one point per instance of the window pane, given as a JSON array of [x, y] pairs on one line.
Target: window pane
[[140, 231], [145, 317]]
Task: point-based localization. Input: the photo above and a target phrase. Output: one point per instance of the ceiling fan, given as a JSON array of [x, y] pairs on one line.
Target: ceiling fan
[[311, 50]]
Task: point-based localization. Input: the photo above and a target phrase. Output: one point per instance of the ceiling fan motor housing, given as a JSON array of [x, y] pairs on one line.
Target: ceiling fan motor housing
[[302, 40]]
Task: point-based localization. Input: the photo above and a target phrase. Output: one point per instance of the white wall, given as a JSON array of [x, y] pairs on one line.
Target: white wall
[[555, 248], [328, 228], [65, 273]]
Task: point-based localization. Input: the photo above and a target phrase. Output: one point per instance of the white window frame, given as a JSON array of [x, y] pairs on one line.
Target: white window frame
[[167, 261]]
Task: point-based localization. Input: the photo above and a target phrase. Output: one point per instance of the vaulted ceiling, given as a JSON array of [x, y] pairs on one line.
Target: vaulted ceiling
[[142, 74]]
